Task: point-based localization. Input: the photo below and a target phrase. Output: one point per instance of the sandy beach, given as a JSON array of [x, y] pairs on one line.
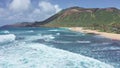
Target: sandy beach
[[104, 34]]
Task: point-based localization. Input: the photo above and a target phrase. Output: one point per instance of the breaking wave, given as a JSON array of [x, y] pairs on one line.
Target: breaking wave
[[41, 56], [5, 31], [7, 38], [40, 36]]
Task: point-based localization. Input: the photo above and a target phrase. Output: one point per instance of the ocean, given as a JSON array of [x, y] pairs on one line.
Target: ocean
[[34, 47]]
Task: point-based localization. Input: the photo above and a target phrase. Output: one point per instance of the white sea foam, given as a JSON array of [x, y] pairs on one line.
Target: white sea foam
[[5, 31], [54, 30], [40, 56], [45, 37], [101, 44], [83, 41], [30, 31], [7, 38], [57, 33], [65, 42], [39, 36]]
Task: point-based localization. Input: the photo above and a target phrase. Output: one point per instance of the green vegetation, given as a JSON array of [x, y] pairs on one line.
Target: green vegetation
[[107, 20]]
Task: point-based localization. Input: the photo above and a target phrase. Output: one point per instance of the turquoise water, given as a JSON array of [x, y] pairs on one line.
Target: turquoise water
[[56, 48]]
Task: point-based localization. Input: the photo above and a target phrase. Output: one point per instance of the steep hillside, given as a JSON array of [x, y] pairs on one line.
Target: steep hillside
[[105, 19], [82, 17]]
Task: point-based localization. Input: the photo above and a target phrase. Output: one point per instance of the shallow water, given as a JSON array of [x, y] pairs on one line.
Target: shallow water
[[50, 47]]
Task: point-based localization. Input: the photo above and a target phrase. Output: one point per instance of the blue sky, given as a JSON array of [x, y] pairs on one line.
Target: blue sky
[[15, 11], [88, 3]]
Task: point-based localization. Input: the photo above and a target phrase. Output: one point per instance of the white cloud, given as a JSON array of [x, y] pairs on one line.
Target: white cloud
[[45, 10], [20, 5], [48, 7], [1, 10], [36, 11], [3, 13], [25, 11], [57, 8]]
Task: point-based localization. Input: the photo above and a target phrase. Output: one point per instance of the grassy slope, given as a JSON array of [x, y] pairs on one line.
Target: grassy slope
[[101, 19]]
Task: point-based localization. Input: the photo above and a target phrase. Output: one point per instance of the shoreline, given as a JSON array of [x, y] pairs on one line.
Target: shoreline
[[111, 36]]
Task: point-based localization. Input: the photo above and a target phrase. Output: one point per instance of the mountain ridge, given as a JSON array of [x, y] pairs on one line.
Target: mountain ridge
[[93, 18]]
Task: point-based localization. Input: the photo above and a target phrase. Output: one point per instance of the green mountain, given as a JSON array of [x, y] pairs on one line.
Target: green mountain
[[103, 19]]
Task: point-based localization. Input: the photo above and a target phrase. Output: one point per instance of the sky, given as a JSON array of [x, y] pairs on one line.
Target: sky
[[17, 11]]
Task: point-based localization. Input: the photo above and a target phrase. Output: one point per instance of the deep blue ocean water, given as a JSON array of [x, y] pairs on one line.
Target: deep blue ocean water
[[33, 47]]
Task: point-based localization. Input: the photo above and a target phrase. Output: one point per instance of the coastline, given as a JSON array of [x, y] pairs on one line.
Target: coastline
[[111, 36]]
